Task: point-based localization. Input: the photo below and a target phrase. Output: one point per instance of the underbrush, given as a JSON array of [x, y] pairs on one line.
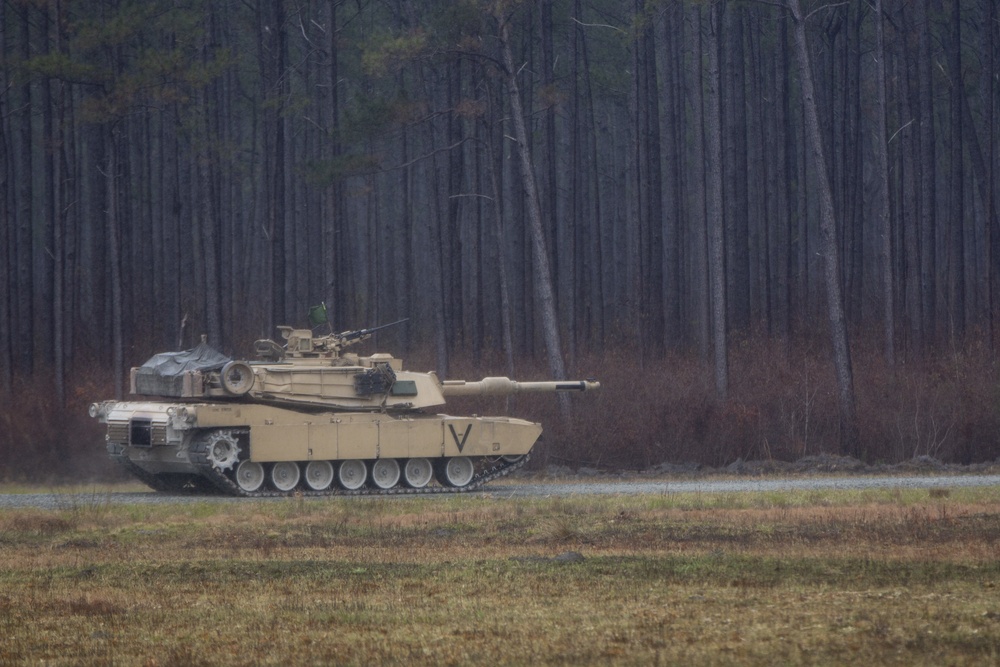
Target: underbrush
[[782, 405]]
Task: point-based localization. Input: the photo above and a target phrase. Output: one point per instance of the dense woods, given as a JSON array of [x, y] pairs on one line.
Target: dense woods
[[627, 189]]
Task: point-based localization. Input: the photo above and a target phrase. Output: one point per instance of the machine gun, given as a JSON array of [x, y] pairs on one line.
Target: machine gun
[[301, 343], [346, 338]]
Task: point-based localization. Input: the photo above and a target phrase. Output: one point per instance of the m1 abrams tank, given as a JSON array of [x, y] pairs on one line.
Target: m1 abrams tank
[[307, 418]]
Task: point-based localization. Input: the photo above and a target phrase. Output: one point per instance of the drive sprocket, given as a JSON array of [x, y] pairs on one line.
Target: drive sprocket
[[222, 449]]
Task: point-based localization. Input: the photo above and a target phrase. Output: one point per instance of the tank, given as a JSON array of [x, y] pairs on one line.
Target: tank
[[305, 417]]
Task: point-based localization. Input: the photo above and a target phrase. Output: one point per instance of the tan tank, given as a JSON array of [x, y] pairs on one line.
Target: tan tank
[[308, 418]]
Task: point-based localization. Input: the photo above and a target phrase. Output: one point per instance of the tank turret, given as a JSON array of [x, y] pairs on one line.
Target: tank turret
[[311, 371], [306, 416]]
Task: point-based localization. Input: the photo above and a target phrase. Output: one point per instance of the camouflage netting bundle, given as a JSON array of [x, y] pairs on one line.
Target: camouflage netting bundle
[[163, 374]]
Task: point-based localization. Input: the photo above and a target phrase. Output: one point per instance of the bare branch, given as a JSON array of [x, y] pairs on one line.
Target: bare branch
[[471, 194], [597, 25], [773, 3], [900, 130], [822, 7], [427, 155]]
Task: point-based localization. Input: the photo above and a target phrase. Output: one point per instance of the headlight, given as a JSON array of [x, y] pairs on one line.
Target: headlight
[[94, 410]]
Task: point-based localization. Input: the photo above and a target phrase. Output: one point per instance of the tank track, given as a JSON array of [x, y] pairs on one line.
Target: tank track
[[179, 483], [198, 455]]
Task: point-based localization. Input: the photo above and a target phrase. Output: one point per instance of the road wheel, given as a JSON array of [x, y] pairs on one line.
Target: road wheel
[[250, 476], [352, 474], [385, 473], [319, 475], [285, 475], [417, 473], [456, 472]]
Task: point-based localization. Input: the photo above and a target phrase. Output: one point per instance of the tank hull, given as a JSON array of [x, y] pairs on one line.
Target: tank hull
[[230, 447]]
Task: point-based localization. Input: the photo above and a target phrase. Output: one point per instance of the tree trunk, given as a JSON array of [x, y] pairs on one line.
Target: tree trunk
[[652, 194], [849, 436], [556, 238], [731, 89], [6, 238], [713, 200], [543, 276], [582, 294], [597, 298], [761, 220], [501, 234], [433, 234], [272, 42], [208, 229], [695, 187], [956, 188], [928, 164], [23, 243], [671, 136], [114, 258], [994, 214], [784, 167], [881, 203], [908, 209], [58, 305], [982, 178]]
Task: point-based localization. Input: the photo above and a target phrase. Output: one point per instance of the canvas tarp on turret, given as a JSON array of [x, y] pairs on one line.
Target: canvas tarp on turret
[[163, 374]]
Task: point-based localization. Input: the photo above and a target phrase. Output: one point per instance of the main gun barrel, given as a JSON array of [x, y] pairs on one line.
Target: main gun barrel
[[501, 386]]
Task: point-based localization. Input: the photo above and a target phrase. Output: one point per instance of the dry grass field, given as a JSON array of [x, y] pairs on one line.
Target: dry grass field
[[863, 578]]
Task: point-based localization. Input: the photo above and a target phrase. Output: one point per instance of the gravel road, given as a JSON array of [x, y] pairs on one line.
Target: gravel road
[[534, 488], [596, 488]]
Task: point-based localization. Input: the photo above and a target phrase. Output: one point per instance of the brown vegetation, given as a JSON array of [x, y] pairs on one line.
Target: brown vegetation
[[782, 405]]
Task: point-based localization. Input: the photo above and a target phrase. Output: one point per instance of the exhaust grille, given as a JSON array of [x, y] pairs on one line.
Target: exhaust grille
[[118, 432], [158, 434], [138, 433]]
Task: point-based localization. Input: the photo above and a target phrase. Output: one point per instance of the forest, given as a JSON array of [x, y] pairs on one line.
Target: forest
[[769, 227]]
